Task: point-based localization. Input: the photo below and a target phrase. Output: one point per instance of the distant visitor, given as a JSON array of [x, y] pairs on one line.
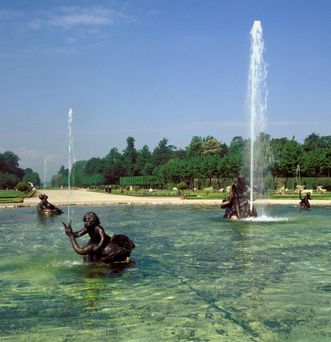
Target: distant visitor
[[304, 200], [46, 208], [236, 204], [101, 247]]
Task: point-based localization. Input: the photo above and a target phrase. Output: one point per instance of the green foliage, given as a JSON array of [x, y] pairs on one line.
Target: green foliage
[[23, 187], [130, 157], [144, 165], [211, 146], [7, 180], [203, 163], [195, 148], [11, 174], [162, 153], [139, 180], [31, 176], [181, 186]]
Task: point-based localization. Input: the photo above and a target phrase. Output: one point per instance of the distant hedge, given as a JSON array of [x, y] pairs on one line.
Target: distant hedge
[[140, 180], [308, 182]]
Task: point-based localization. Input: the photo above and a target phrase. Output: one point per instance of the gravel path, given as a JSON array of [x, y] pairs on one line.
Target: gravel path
[[84, 197]]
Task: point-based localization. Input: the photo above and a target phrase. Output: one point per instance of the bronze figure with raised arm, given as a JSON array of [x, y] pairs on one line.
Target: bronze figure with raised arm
[[101, 247]]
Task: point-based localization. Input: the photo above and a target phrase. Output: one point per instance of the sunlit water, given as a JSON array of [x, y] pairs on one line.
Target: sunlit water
[[196, 277]]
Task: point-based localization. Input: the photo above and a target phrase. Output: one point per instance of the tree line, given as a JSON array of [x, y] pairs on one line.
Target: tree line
[[11, 173], [204, 160]]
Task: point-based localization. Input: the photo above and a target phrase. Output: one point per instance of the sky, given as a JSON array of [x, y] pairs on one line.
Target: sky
[[152, 69]]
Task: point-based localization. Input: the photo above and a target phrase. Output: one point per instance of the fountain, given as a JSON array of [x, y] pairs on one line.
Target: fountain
[[45, 171], [257, 93], [70, 157], [236, 204]]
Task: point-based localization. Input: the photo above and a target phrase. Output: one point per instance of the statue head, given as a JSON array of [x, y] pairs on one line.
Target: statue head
[[91, 219]]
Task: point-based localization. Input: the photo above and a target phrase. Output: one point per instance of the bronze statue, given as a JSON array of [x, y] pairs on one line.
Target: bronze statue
[[46, 208], [304, 201], [236, 204], [101, 247]]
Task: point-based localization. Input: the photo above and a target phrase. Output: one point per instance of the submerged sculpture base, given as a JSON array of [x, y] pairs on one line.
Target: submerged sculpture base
[[239, 209], [50, 212]]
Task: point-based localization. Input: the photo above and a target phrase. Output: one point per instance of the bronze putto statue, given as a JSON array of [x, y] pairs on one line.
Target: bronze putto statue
[[46, 208], [101, 247], [236, 204]]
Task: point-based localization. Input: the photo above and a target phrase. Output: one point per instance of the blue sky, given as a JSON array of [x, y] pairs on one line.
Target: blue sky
[[154, 69]]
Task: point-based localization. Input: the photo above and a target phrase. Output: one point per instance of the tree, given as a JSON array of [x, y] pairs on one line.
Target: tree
[[288, 155], [211, 146], [9, 162], [113, 167], [311, 142], [144, 166], [195, 148], [31, 176], [61, 178], [162, 153], [93, 166], [316, 161], [130, 157], [209, 164], [78, 172], [7, 180]]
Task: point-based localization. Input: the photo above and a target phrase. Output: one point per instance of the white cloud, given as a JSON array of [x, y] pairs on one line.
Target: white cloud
[[76, 16], [68, 18], [71, 18]]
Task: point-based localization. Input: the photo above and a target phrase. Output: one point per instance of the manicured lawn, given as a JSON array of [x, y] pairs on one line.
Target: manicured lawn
[[9, 193], [13, 196]]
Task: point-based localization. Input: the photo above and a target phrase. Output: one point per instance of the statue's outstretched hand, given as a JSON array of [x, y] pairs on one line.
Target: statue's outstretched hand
[[67, 228]]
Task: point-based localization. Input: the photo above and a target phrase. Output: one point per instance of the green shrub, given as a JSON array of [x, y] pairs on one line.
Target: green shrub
[[23, 187], [181, 186]]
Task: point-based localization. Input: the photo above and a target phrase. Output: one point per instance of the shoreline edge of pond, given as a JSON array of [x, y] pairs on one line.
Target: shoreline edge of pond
[[88, 198]]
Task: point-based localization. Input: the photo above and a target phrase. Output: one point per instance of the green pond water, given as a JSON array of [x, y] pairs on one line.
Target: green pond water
[[195, 277]]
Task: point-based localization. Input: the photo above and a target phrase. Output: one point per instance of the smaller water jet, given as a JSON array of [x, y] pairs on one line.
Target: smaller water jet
[[45, 171], [70, 157]]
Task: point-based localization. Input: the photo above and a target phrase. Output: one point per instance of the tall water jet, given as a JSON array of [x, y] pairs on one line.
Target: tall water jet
[[257, 91], [45, 171], [70, 156]]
